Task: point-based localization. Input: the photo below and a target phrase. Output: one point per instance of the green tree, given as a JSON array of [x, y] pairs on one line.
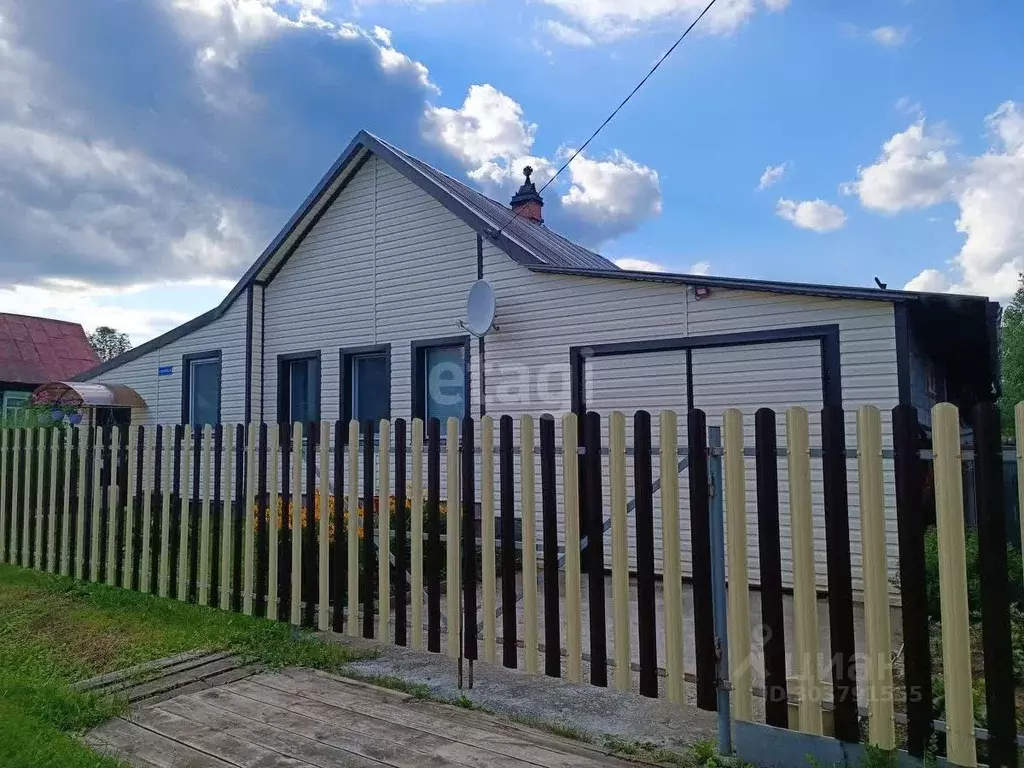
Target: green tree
[[1012, 356], [108, 343]]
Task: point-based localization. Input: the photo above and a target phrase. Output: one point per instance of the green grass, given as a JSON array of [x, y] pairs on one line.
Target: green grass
[[55, 631]]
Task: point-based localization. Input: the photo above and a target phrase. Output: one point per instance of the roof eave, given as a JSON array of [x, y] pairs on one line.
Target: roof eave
[[766, 286]]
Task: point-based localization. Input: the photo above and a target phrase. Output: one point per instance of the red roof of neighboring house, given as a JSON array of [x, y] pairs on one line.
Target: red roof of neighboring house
[[37, 350]]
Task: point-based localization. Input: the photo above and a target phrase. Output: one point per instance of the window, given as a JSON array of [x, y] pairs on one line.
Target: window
[[298, 397], [200, 396], [441, 380], [366, 385], [14, 408]]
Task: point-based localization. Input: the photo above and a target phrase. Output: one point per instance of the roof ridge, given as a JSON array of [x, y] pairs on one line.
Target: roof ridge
[[500, 226]]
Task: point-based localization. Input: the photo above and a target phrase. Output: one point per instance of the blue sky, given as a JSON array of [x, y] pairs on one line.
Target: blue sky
[[149, 149]]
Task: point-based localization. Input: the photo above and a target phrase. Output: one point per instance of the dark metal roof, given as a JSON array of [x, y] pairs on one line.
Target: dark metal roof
[[770, 286], [35, 350], [543, 244]]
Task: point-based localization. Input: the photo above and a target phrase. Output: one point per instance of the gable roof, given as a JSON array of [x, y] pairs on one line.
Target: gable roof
[[37, 350], [533, 245]]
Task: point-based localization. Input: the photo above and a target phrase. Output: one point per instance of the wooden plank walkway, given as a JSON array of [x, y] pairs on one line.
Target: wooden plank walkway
[[304, 718]]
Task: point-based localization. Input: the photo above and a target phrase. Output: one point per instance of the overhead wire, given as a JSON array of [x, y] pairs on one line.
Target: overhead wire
[[617, 109]]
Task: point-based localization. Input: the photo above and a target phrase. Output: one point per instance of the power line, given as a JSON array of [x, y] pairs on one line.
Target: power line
[[616, 111]]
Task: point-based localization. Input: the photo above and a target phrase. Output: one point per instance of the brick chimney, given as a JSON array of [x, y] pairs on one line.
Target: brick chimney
[[527, 202]]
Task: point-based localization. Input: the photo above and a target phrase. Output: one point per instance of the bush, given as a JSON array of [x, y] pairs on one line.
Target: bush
[[931, 559]]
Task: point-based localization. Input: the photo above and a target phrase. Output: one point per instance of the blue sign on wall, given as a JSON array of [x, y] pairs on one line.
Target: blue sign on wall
[[165, 370]]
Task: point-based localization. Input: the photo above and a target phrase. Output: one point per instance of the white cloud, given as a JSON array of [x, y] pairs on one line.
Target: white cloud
[[642, 265], [610, 19], [913, 171], [563, 33], [772, 174], [489, 135], [816, 215], [614, 193], [224, 30], [890, 37], [929, 281], [639, 265], [487, 126]]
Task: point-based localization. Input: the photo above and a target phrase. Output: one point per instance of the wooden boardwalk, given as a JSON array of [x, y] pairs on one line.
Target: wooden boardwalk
[[303, 718]]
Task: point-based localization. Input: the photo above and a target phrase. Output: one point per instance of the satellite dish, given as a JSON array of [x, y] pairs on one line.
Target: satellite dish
[[480, 309]]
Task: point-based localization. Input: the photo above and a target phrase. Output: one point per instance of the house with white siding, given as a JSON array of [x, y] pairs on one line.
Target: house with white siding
[[354, 310]]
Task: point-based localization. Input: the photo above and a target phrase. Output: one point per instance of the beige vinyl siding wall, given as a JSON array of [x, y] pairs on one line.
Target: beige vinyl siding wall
[[542, 316], [163, 393], [386, 264]]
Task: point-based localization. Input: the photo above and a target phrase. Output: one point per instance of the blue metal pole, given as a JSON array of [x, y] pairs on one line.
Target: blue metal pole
[[718, 590]]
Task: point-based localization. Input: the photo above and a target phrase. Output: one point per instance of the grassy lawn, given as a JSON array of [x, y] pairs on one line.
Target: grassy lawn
[[54, 631]]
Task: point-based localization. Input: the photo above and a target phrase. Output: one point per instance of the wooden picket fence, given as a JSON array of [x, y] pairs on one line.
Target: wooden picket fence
[[295, 524]]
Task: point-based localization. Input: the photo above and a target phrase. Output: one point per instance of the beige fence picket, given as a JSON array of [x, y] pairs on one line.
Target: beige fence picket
[[226, 539], [26, 509], [129, 512], [529, 523], [97, 507], [248, 534], [805, 605], [65, 529], [4, 443], [353, 529], [15, 550], [736, 535], [205, 534], [453, 578], [273, 521], [573, 595], [40, 510], [83, 452], [323, 561], [51, 528], [620, 549], [881, 724], [149, 471], [296, 508], [489, 586], [416, 533], [672, 569], [384, 530], [956, 652], [113, 518]]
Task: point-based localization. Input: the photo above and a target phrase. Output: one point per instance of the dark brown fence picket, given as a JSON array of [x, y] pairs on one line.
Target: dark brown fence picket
[[549, 522], [912, 517], [840, 577], [646, 613], [509, 650], [776, 700], [995, 585], [593, 518], [469, 530], [700, 536], [310, 550]]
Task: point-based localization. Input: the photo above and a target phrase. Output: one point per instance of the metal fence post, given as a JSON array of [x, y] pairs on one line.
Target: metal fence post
[[718, 590]]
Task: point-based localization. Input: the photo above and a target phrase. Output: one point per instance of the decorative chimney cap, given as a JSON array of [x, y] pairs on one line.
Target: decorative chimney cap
[[528, 192]]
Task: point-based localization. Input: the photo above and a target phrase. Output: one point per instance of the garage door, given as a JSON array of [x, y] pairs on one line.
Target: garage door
[[775, 375]]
